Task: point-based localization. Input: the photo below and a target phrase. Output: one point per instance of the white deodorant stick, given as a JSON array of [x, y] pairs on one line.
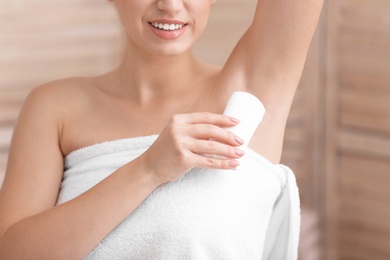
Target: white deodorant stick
[[249, 110]]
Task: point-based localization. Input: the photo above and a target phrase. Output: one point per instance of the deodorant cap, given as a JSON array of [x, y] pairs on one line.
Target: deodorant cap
[[249, 110]]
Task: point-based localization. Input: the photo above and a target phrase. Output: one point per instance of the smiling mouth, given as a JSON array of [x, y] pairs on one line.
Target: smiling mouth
[[167, 26]]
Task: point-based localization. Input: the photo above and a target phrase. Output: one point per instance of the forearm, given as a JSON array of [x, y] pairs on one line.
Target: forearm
[[71, 230]]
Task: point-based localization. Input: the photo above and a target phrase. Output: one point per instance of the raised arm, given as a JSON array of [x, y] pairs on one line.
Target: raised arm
[[268, 62], [270, 56]]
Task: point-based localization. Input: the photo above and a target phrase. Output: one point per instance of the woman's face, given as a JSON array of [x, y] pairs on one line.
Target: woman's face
[[163, 27]]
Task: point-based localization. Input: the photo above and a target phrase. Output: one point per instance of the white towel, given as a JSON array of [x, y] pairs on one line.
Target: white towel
[[250, 213]]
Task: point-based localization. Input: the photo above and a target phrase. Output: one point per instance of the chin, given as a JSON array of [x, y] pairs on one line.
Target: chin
[[170, 51]]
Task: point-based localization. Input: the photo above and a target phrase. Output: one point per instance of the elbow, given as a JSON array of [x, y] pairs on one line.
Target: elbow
[[15, 245], [8, 247], [4, 249]]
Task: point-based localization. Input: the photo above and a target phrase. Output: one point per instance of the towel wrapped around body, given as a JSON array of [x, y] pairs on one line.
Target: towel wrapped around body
[[248, 213]]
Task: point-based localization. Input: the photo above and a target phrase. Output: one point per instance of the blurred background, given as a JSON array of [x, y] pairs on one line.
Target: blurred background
[[338, 134]]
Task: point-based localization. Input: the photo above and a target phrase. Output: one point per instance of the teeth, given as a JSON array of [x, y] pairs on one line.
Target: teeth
[[167, 27]]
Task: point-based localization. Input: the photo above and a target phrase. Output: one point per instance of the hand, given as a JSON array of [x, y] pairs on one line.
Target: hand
[[186, 140]]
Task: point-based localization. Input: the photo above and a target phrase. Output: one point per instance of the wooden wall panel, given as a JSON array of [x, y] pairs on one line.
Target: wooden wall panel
[[358, 105], [47, 40]]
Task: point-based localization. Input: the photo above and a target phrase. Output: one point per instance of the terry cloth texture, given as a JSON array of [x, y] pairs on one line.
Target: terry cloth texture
[[249, 213]]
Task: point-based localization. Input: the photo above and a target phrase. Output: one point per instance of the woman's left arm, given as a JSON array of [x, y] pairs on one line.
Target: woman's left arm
[[268, 62], [269, 58]]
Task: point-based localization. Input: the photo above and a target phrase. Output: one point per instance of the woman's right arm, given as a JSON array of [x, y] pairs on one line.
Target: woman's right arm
[[32, 227]]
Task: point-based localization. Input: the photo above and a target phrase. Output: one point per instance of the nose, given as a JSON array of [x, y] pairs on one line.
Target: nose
[[170, 6]]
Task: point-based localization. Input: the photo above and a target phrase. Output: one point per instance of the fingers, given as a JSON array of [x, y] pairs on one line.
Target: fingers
[[215, 163], [205, 126], [201, 133], [206, 118], [216, 133], [189, 137], [217, 148]]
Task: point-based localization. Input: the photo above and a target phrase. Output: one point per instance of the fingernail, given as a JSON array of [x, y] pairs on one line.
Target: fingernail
[[234, 163], [235, 120], [238, 140], [239, 152]]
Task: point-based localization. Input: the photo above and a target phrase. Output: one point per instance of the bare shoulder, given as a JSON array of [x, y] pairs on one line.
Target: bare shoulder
[[57, 99], [35, 160], [49, 107], [60, 93]]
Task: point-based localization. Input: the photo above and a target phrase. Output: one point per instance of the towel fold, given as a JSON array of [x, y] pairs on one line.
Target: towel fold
[[249, 213]]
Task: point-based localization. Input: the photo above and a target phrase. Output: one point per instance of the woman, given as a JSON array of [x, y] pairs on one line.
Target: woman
[[159, 88]]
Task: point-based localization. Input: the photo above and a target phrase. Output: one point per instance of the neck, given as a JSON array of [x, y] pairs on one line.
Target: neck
[[145, 78]]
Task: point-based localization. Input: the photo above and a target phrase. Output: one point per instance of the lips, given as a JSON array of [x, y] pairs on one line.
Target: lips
[[168, 29], [167, 26]]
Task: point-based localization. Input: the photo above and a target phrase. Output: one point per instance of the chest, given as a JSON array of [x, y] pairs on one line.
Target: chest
[[108, 119]]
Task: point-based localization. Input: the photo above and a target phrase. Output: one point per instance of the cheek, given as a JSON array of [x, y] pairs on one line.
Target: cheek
[[130, 9], [202, 14], [129, 12]]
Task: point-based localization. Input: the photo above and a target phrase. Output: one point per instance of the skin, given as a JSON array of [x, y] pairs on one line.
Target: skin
[[160, 87]]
